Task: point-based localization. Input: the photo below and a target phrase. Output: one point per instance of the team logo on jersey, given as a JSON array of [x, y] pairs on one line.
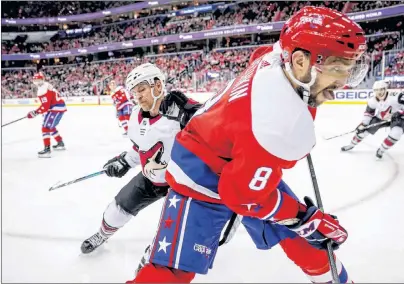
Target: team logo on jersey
[[386, 114], [151, 160]]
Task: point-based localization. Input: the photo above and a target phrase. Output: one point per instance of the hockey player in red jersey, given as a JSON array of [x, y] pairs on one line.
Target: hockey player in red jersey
[[383, 106], [231, 155], [53, 107], [122, 103]]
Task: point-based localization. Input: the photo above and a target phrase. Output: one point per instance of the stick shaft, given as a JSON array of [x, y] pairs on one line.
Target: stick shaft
[[316, 189], [77, 180], [366, 128], [14, 121]]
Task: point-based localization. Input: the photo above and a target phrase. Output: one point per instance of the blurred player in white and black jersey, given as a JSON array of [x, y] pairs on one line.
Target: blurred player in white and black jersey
[[153, 136], [383, 106]]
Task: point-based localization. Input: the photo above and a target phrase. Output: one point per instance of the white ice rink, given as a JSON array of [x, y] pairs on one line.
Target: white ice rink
[[42, 231]]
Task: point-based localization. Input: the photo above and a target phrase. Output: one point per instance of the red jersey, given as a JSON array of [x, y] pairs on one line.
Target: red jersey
[[120, 98], [50, 100], [235, 148]]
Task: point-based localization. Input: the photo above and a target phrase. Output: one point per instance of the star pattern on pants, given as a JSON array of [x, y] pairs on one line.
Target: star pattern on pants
[[168, 222], [173, 201], [163, 245]]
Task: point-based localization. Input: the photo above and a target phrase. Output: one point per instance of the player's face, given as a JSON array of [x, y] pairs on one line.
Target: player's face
[[331, 75], [112, 85], [380, 93], [143, 94], [37, 82]]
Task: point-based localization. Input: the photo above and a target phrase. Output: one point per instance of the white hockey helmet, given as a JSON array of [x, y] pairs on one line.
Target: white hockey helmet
[[380, 85], [146, 73]]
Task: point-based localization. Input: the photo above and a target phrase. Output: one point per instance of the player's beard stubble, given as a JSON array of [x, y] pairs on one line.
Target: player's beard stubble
[[319, 94]]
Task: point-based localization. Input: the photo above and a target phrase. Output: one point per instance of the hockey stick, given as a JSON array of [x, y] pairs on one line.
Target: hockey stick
[[330, 251], [366, 128], [77, 180], [231, 228], [11, 122]]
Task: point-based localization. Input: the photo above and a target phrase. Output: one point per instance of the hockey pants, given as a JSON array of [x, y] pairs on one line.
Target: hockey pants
[[188, 236]]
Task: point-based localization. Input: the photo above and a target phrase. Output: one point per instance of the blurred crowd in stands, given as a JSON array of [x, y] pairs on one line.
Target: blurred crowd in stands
[[243, 13], [39, 9], [196, 71], [193, 72], [184, 72]]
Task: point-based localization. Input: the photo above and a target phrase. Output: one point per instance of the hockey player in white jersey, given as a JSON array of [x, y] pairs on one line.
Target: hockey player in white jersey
[[153, 136], [383, 106]]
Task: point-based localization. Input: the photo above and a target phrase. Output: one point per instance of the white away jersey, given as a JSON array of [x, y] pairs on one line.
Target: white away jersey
[[384, 109], [153, 139]]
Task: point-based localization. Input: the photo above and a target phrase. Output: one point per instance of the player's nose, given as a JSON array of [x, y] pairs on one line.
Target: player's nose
[[340, 83]]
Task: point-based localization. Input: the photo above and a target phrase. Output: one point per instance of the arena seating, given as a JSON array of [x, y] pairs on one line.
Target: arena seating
[[242, 14], [201, 70]]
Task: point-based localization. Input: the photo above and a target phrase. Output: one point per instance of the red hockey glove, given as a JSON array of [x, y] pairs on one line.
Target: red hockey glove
[[318, 228], [32, 114]]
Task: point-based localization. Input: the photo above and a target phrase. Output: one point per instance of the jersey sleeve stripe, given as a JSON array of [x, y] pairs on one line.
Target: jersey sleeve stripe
[[189, 170], [276, 207], [182, 178]]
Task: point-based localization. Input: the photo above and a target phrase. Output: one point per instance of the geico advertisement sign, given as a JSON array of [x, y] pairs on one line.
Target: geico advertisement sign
[[348, 95]]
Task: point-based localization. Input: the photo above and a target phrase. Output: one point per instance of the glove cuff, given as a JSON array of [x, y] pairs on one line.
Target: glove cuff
[[130, 158]]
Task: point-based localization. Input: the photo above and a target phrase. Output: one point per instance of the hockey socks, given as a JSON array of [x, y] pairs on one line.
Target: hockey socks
[[393, 137], [114, 218]]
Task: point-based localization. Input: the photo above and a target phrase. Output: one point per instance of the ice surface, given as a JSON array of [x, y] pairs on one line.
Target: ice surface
[[42, 231]]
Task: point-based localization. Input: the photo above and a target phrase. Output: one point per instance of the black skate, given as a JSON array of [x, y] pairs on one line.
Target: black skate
[[45, 153], [93, 242], [59, 146], [379, 154], [347, 147]]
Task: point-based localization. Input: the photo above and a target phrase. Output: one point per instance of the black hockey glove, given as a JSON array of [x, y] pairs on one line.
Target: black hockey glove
[[398, 116], [361, 128], [117, 166], [179, 107]]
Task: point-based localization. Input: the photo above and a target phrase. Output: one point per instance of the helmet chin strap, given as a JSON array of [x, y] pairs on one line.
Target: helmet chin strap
[[305, 87], [155, 98]]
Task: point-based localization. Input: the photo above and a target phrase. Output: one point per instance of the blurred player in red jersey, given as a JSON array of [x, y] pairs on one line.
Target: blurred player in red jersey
[[123, 103], [231, 155], [53, 107]]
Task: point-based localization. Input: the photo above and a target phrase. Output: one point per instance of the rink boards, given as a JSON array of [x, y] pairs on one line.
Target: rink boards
[[359, 96]]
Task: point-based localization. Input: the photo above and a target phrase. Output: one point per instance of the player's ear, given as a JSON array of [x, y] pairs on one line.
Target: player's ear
[[300, 63], [158, 85]]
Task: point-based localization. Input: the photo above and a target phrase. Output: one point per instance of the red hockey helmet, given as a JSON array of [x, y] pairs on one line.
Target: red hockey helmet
[[324, 32], [38, 78]]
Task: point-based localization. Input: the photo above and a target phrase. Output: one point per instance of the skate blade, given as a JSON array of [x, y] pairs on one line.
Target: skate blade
[[45, 156], [59, 149]]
